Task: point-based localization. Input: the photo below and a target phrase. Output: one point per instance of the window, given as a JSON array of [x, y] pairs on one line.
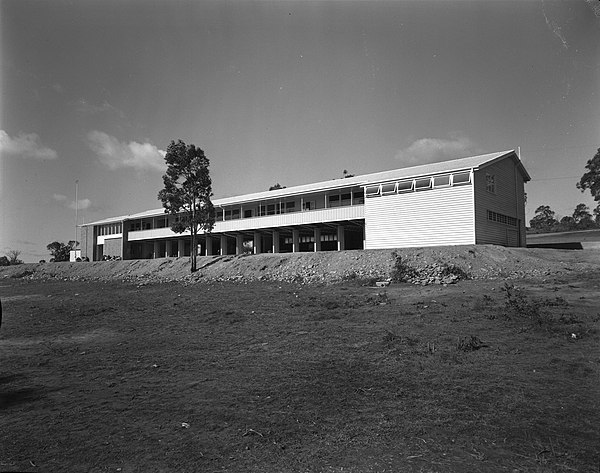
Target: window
[[334, 201], [461, 178], [310, 205], [271, 209], [441, 181], [422, 184], [490, 183], [358, 198], [290, 207], [345, 199], [372, 191], [389, 188], [405, 186], [500, 218], [248, 213]]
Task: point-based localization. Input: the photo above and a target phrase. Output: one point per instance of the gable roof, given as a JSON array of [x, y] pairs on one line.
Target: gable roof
[[454, 165]]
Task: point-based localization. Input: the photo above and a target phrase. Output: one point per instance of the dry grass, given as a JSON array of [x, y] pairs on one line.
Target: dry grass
[[279, 377]]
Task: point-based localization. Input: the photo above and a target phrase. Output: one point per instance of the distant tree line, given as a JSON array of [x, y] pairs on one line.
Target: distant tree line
[[546, 220], [11, 258]]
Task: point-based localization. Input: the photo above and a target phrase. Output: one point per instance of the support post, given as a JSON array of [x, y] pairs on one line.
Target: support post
[[239, 244], [257, 243], [209, 245], [341, 241], [317, 245], [275, 241], [295, 240], [156, 250], [181, 248], [223, 245]]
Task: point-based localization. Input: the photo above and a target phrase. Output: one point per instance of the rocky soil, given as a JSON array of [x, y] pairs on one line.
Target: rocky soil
[[439, 265]]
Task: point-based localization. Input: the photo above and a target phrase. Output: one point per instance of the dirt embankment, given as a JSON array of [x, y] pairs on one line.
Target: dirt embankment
[[476, 261]]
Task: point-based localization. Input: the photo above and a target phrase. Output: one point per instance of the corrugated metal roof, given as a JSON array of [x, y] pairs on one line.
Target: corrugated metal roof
[[473, 162]]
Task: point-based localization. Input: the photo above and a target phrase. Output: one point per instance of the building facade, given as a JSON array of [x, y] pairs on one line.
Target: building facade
[[474, 200]]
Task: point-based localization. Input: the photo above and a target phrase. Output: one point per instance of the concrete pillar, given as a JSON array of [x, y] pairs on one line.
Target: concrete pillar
[[317, 245], [167, 248], [257, 243], [223, 245], [181, 248], [275, 241], [341, 241], [209, 245], [295, 241], [239, 244], [156, 250]]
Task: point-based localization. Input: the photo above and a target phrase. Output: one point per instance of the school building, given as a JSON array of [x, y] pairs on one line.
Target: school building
[[473, 200]]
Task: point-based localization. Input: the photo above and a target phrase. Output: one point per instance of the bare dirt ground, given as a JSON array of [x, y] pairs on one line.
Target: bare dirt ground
[[296, 363]]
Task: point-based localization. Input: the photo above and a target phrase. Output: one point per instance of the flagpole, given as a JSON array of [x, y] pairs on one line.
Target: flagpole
[[76, 209]]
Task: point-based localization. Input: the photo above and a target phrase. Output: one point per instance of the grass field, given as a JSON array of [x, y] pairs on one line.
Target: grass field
[[481, 376]]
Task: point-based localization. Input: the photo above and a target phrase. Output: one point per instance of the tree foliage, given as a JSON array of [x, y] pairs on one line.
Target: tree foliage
[[187, 192], [4, 261], [544, 218], [591, 179], [60, 251], [582, 217], [276, 186], [13, 257]]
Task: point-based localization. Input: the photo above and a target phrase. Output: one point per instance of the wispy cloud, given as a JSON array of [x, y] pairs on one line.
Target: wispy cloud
[[429, 150], [25, 145], [86, 107], [82, 204], [116, 154]]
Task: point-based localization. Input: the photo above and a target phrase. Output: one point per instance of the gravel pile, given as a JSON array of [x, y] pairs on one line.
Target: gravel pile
[[439, 265]]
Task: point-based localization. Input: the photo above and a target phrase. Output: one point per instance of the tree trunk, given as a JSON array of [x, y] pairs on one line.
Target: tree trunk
[[193, 251]]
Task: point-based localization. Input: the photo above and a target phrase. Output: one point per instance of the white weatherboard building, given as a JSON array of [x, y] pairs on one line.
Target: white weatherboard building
[[475, 200]]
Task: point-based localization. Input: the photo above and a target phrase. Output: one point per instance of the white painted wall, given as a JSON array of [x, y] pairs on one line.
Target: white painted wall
[[442, 216]]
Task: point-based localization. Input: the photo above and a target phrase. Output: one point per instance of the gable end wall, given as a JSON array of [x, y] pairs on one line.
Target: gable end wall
[[507, 200]]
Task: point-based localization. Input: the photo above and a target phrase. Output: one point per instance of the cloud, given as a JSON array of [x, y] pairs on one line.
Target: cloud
[[82, 204], [25, 145], [83, 106], [430, 150], [115, 154]]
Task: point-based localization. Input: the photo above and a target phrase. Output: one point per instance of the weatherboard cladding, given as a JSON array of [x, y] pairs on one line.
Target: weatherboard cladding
[[507, 200], [442, 216]]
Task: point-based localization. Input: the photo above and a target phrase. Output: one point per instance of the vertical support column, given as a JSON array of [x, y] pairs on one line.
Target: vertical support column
[[257, 243], [181, 248], [209, 245], [223, 245], [156, 250], [317, 245], [167, 248], [275, 241], [341, 241], [295, 240], [239, 244]]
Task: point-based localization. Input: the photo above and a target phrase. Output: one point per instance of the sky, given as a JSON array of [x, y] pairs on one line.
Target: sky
[[289, 92]]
